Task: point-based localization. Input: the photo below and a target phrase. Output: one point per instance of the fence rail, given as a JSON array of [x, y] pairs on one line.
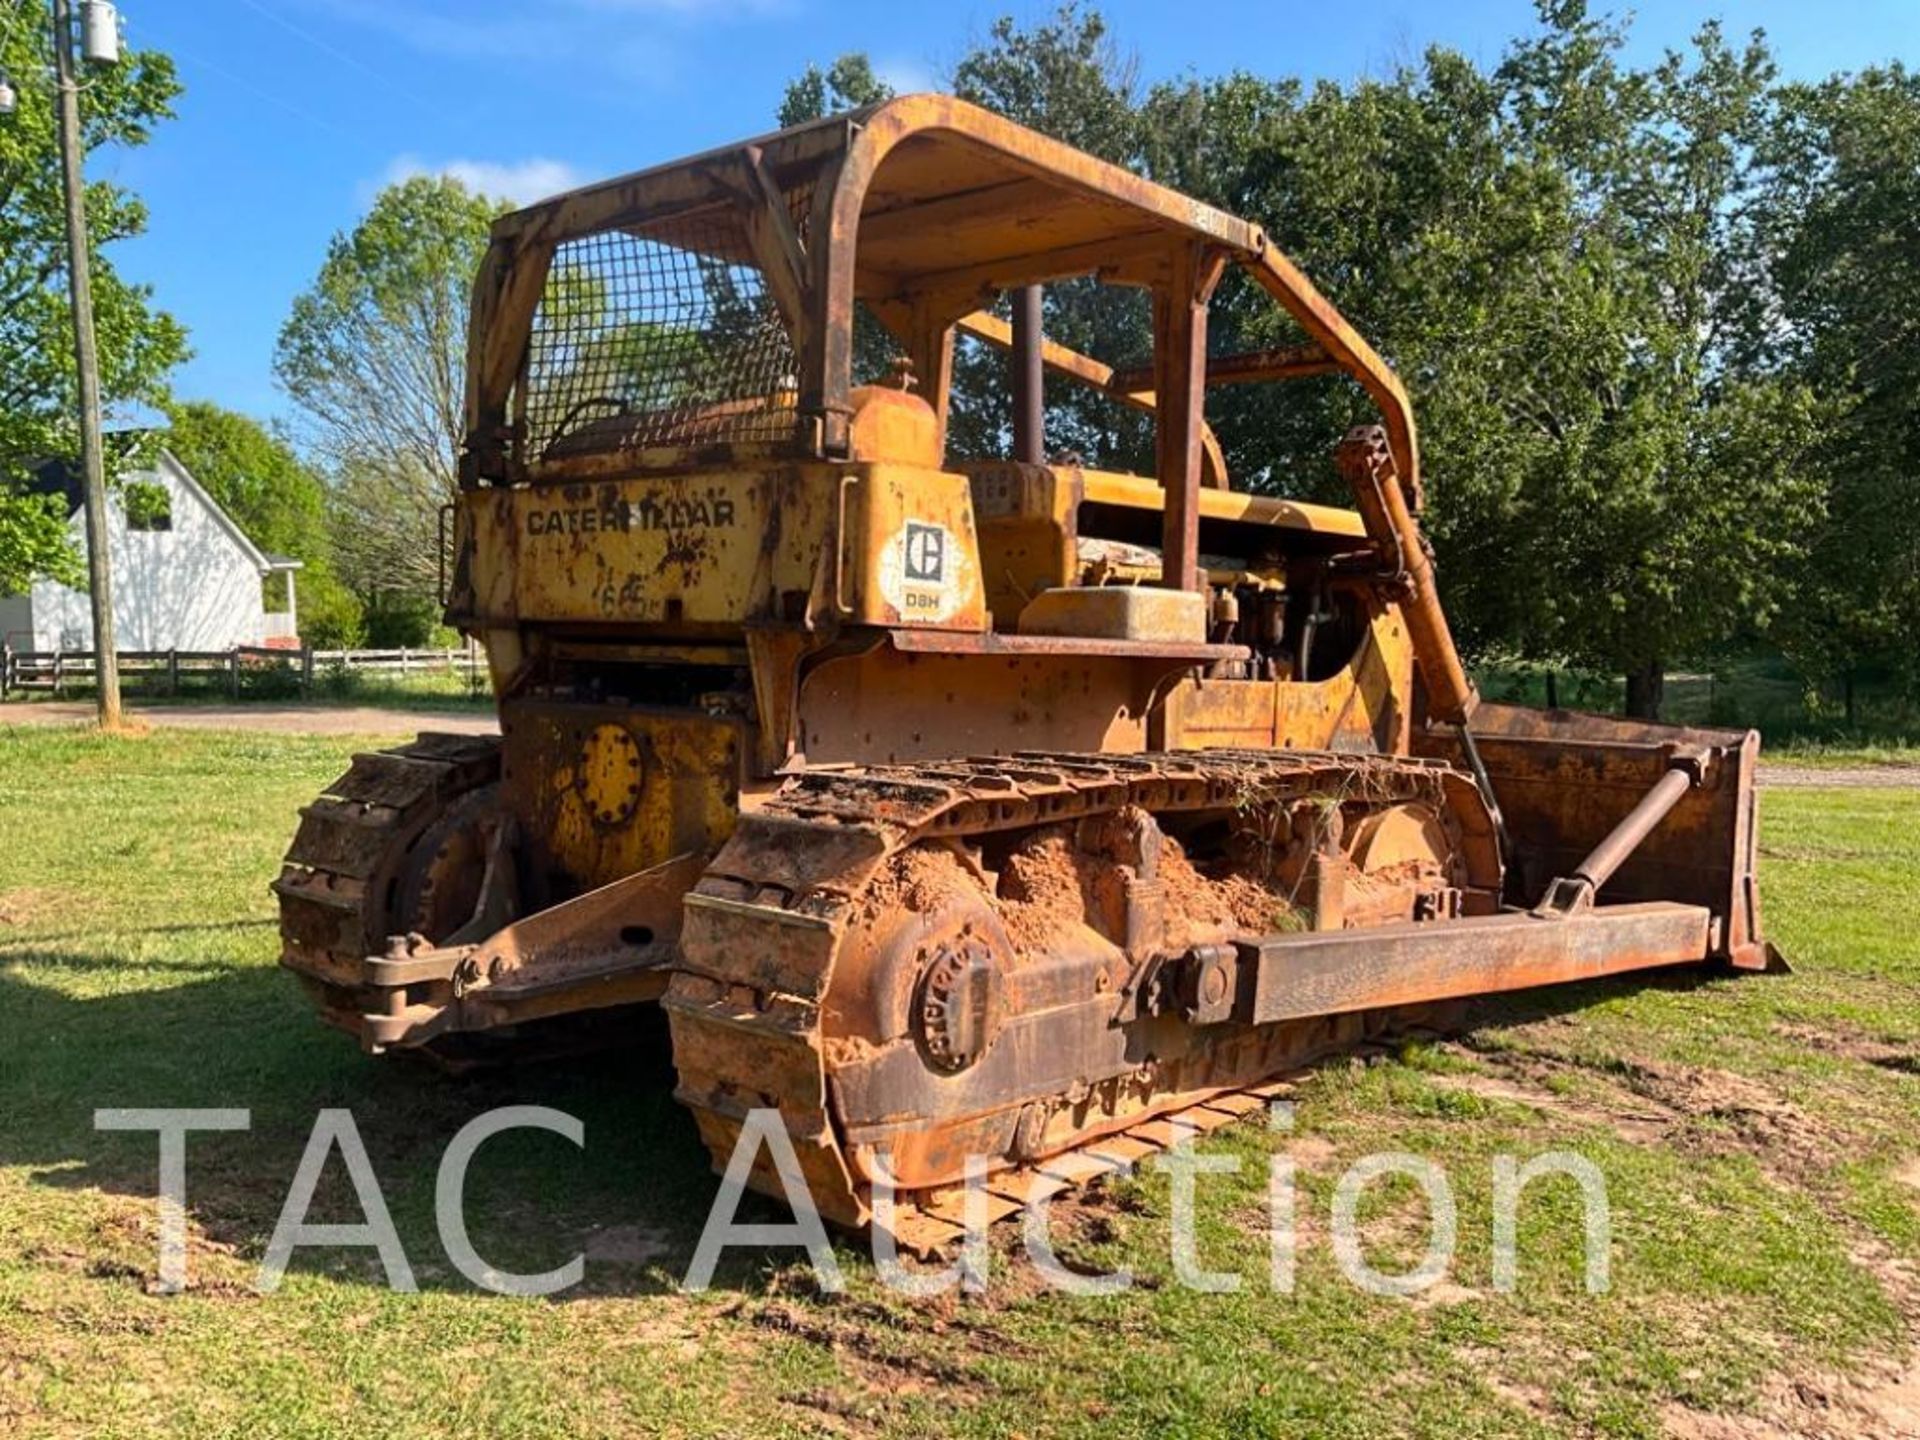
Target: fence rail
[[161, 672], [406, 662]]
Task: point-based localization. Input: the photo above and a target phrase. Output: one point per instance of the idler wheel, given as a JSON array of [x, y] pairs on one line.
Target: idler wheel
[[957, 1002]]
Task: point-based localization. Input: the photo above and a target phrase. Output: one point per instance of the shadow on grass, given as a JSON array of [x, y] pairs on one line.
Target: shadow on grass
[[1526, 1007], [633, 1199]]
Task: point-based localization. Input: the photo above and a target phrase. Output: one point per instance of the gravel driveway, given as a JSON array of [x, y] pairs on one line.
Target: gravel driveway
[[281, 719]]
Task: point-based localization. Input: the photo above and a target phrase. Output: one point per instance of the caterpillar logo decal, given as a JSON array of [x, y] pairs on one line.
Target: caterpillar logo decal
[[925, 552], [924, 573]]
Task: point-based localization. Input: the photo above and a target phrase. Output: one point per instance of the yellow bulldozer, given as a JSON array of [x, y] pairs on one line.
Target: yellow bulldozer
[[1003, 808]]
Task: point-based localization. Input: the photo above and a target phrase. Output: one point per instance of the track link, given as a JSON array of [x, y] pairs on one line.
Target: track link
[[765, 923]]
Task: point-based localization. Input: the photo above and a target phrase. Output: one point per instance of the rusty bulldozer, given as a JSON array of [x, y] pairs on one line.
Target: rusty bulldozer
[[1005, 808]]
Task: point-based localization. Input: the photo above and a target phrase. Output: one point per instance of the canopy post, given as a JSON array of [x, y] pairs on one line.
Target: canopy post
[[931, 338], [1180, 358], [1029, 395]]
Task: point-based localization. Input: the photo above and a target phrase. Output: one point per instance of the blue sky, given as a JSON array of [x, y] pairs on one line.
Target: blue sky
[[296, 111]]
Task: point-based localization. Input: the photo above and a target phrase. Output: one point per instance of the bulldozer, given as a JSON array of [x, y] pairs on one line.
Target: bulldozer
[[997, 810]]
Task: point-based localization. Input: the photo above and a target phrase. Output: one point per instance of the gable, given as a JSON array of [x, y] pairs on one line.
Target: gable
[[185, 489]]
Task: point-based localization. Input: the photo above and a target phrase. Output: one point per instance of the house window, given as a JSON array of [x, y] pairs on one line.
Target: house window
[[148, 506]]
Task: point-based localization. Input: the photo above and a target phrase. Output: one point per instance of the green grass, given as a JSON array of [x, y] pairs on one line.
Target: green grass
[[136, 968]]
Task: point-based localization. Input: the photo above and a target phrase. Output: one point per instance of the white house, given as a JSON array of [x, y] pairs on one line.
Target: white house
[[184, 577]]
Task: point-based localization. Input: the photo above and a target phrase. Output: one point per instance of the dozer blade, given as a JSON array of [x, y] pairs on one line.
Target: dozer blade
[[1568, 783]]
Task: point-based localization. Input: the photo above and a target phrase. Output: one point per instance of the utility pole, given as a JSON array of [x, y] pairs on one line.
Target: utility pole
[[106, 661]]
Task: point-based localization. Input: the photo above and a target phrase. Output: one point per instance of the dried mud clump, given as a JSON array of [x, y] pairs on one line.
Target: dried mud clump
[[1049, 885]]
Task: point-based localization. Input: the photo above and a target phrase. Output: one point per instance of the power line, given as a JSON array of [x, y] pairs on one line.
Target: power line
[[331, 49], [254, 90]]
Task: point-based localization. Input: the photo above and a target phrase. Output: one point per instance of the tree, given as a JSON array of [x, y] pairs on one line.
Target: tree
[[34, 543], [1662, 484], [1065, 77], [1842, 215], [1557, 253], [138, 343], [374, 355], [847, 84], [386, 525], [254, 476], [281, 504], [1559, 257]]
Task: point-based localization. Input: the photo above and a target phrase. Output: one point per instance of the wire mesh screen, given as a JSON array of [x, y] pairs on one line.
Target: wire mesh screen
[[665, 334]]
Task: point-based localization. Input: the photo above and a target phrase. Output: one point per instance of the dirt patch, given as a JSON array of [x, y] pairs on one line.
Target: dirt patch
[[923, 879], [1707, 1110], [1760, 1119], [18, 907], [1852, 1045], [1638, 1125], [1314, 1154], [633, 1245], [870, 1341], [1443, 1293], [1199, 903], [1051, 885], [1883, 1402], [1703, 1110], [1041, 891], [123, 1243]]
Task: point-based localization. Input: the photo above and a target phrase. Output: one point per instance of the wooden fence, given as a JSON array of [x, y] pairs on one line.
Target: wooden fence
[[236, 671]]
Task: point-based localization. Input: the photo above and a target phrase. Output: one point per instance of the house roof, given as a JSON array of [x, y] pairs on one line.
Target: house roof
[[61, 477], [56, 477]]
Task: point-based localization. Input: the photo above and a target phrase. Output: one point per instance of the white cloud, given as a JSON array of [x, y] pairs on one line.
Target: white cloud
[[521, 181]]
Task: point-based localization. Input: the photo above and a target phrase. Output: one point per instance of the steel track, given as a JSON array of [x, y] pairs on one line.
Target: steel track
[[337, 883], [767, 919]]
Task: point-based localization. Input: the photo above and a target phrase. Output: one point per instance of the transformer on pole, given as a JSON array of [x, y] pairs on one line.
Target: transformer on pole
[[99, 32]]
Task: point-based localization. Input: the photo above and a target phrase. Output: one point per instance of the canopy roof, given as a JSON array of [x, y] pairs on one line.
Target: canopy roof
[[939, 188], [920, 207]]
